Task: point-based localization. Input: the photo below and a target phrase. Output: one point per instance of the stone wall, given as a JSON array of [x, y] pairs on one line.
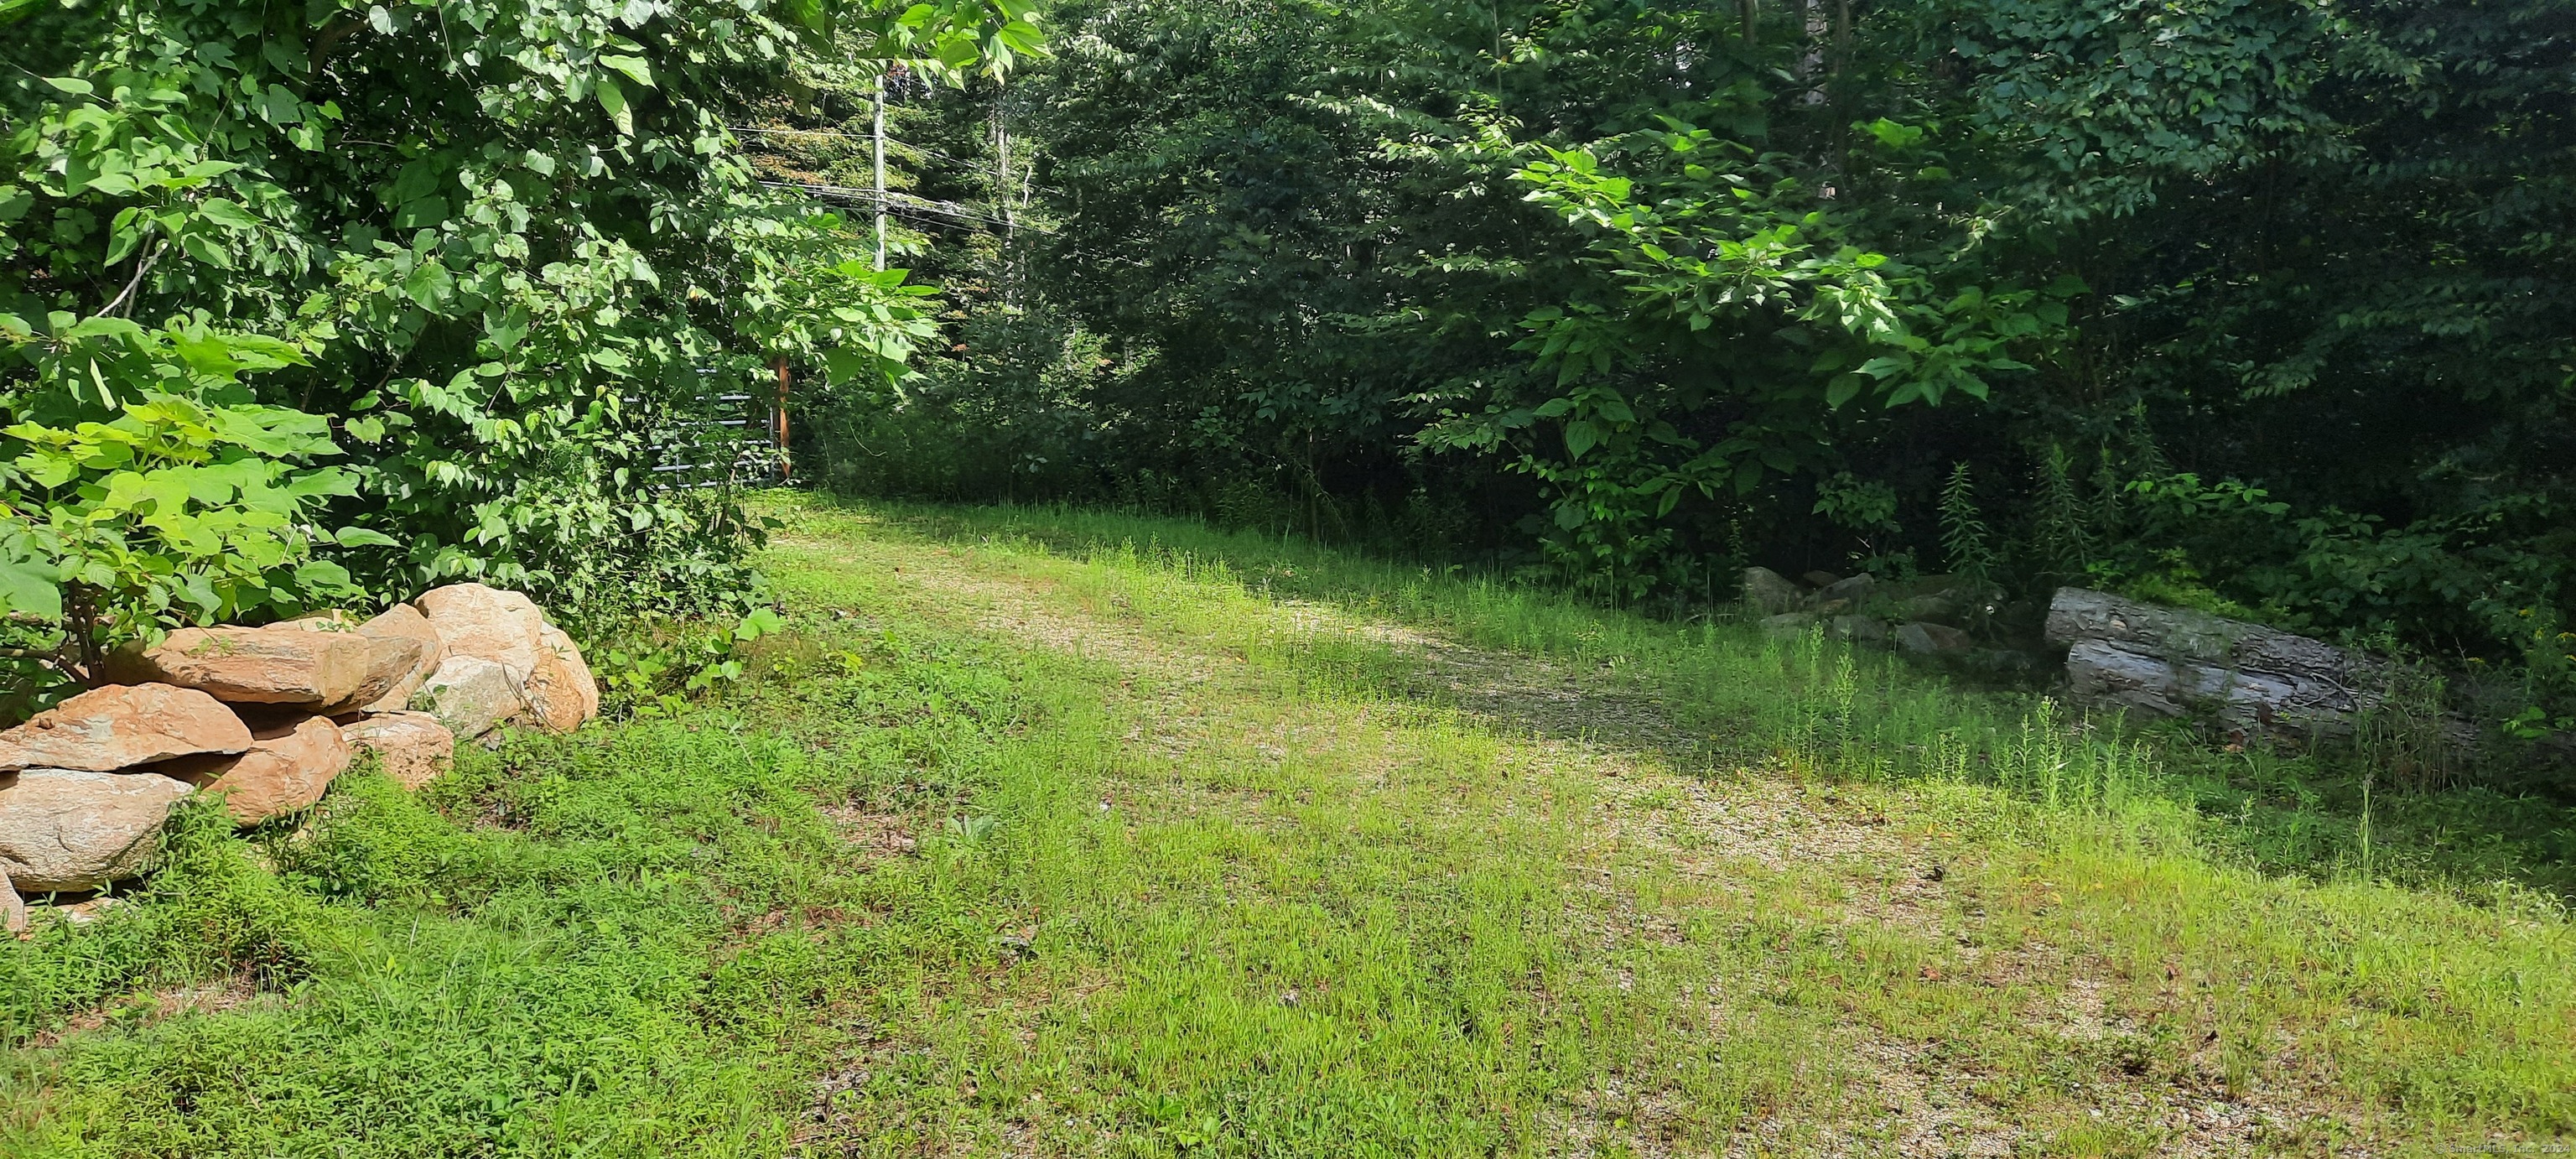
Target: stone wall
[[266, 718], [1922, 616]]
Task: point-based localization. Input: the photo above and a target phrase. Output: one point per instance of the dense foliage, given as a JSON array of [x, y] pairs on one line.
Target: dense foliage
[[2262, 307], [317, 302]]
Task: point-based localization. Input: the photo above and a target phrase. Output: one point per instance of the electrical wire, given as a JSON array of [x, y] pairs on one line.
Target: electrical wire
[[891, 143], [901, 202]]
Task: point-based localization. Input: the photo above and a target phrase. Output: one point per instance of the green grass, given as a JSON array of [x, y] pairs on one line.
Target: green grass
[[1048, 832]]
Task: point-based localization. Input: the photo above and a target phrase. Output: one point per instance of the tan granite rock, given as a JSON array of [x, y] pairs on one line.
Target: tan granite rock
[[79, 829], [560, 691], [1928, 639], [406, 621], [1770, 593], [280, 664], [121, 726], [487, 624], [395, 657], [470, 695], [411, 747], [285, 771]]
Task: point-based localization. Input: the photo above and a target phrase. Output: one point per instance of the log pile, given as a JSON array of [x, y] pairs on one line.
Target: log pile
[[2179, 662], [267, 718]]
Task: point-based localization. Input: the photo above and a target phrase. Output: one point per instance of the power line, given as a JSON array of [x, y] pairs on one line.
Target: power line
[[922, 149], [897, 202], [891, 143]]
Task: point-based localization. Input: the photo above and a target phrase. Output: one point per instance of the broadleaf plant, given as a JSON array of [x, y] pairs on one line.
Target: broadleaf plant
[[485, 255]]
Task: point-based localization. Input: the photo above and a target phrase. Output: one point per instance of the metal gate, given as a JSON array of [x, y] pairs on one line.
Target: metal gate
[[724, 436]]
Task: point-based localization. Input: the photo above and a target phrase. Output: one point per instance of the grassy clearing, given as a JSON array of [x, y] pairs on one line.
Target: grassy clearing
[[1050, 833]]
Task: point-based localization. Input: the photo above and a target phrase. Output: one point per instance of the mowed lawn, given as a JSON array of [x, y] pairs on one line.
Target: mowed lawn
[[1045, 833]]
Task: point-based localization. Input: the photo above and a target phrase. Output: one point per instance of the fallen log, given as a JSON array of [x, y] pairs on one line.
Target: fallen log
[[2177, 662]]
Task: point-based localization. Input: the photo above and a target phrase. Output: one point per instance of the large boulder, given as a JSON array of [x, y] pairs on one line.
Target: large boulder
[[470, 695], [411, 747], [393, 658], [560, 692], [78, 829], [1787, 625], [1853, 591], [121, 726], [1928, 639], [404, 620], [1860, 629], [1771, 593], [285, 771], [486, 623], [548, 678], [281, 664]]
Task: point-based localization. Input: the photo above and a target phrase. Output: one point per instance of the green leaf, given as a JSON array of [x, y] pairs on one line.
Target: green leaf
[[633, 66], [761, 622], [279, 107], [28, 587], [71, 84], [430, 285], [422, 213], [322, 576], [1581, 436], [1893, 134], [613, 99], [843, 364], [227, 213], [811, 14], [361, 537]]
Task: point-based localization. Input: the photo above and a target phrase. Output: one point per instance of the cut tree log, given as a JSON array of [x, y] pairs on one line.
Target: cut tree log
[[2176, 661]]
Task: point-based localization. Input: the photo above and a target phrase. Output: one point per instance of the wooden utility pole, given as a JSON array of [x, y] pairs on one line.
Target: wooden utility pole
[[1002, 163], [778, 423], [881, 182], [1812, 62], [1002, 195]]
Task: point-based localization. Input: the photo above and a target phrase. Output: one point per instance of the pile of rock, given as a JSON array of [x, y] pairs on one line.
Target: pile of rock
[[1920, 616], [267, 717]]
